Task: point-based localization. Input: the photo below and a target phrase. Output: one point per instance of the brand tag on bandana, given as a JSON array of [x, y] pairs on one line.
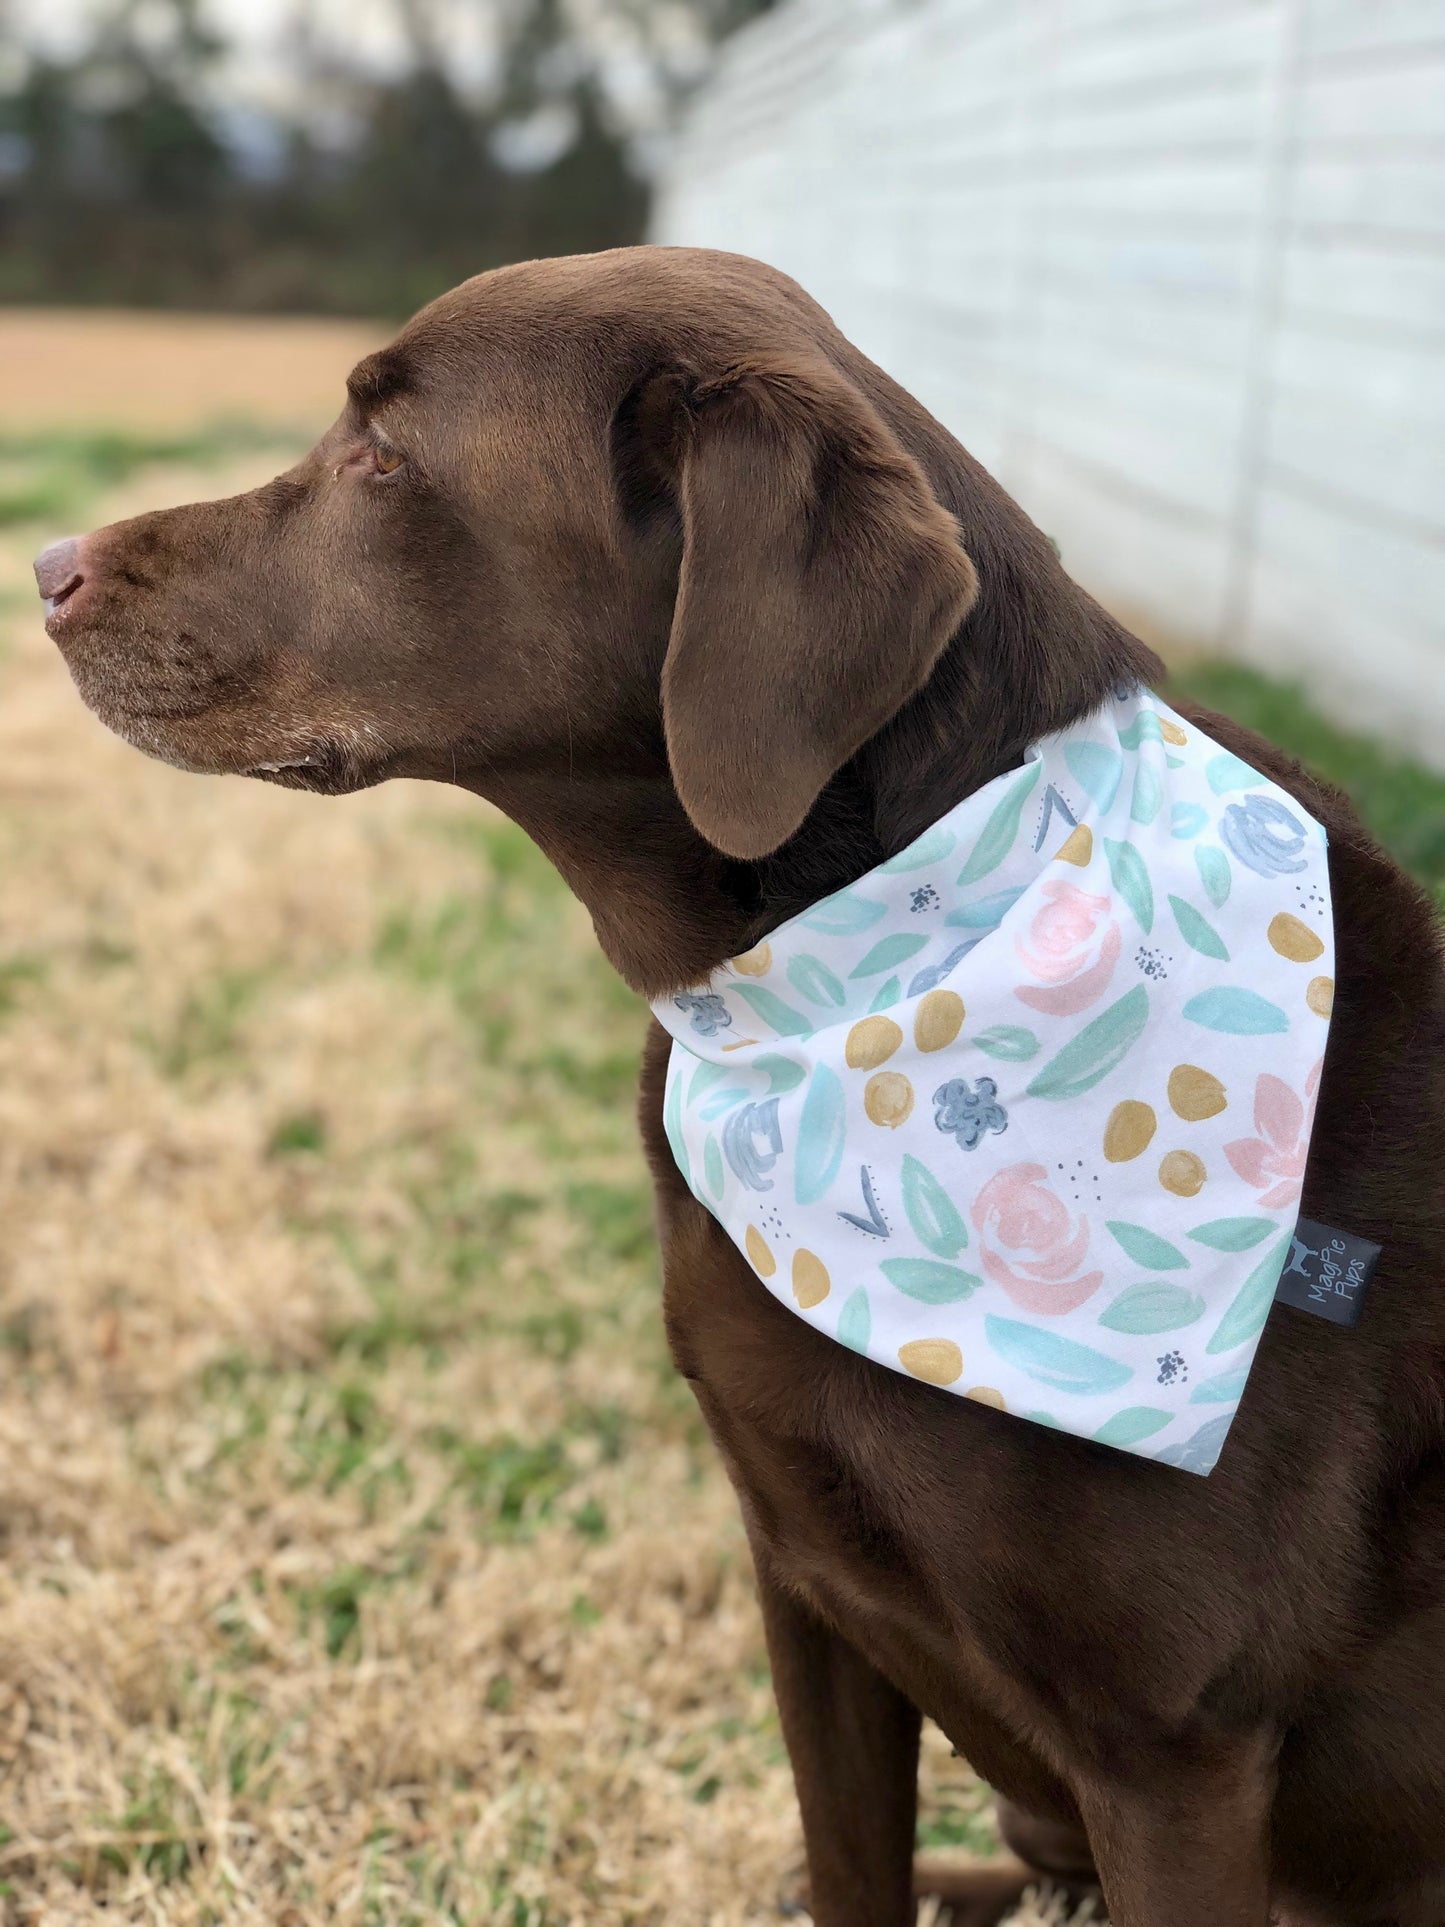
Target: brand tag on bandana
[[1327, 1272], [1025, 1111]]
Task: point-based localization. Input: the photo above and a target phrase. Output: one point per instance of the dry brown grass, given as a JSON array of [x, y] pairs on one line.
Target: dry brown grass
[[74, 368], [363, 1560]]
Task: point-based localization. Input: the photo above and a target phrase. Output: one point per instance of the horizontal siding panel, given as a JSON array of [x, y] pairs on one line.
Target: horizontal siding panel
[[1164, 572], [1395, 293], [1401, 382], [1389, 580], [1372, 194], [1374, 106], [1353, 27]]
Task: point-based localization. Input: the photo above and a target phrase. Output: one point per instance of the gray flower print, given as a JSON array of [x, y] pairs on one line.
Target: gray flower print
[[752, 1142], [709, 1013], [965, 1111], [1264, 835]]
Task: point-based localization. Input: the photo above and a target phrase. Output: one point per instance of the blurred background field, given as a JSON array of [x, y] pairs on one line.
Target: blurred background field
[[363, 1561]]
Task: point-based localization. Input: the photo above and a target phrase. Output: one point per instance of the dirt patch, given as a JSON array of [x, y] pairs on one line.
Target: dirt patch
[[89, 368]]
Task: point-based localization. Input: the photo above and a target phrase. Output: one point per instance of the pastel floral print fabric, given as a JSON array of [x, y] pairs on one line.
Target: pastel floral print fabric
[[1025, 1111]]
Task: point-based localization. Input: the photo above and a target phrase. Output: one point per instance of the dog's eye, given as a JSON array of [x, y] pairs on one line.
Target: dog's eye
[[386, 461]]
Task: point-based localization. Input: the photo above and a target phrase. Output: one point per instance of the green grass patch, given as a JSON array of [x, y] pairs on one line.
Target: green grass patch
[[1400, 801], [18, 973], [158, 1830], [53, 477], [207, 1026], [302, 1131]]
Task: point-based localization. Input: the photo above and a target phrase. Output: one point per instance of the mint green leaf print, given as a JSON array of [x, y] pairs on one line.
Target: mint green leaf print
[[1153, 1308], [712, 1166], [887, 997], [1044, 1418], [1233, 1234], [1011, 1042], [1145, 1248], [723, 1101], [932, 847], [786, 1021], [1197, 931], [1226, 773], [932, 1213], [1097, 768], [997, 836], [1145, 728], [822, 1133], [1135, 1422], [1099, 1048], [1214, 872], [781, 1072], [855, 1322], [984, 913], [704, 1078], [1201, 1452], [1245, 1318], [1187, 819], [812, 978], [1060, 1362], [1148, 798], [1226, 1389], [1241, 1013], [929, 1283], [887, 952], [1130, 876], [672, 1124], [843, 915]]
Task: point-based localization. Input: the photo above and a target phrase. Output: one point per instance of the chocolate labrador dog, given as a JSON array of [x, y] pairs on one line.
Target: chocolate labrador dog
[[637, 546]]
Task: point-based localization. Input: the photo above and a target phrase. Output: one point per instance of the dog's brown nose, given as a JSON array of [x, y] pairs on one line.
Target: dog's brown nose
[[58, 571]]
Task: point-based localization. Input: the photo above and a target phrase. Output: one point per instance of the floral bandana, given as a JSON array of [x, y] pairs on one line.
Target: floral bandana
[[1025, 1111]]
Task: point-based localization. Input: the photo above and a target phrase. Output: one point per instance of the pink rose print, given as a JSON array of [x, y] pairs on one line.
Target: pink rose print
[[1031, 1244], [1274, 1162], [1071, 948]]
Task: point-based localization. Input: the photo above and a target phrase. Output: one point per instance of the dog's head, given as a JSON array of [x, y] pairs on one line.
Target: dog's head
[[639, 528]]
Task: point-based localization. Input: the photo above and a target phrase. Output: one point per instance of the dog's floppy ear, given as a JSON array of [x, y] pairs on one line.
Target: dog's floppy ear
[[820, 581]]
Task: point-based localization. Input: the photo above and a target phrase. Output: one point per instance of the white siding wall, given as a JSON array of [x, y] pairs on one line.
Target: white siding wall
[[1174, 270]]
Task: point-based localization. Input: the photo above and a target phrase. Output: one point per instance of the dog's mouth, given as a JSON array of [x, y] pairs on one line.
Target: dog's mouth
[[327, 768], [219, 732], [55, 604], [205, 744]]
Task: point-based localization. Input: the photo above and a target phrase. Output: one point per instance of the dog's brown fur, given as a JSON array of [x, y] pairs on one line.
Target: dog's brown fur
[[723, 618]]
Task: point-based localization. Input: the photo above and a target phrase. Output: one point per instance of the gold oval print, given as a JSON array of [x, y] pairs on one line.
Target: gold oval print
[[1294, 939], [756, 962], [938, 1360], [871, 1042], [811, 1283], [1321, 995], [1130, 1128], [888, 1098], [761, 1258], [938, 1019], [1182, 1173], [1194, 1093], [986, 1395]]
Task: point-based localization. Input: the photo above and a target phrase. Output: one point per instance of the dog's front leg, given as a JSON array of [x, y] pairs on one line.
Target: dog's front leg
[[1183, 1841], [853, 1741]]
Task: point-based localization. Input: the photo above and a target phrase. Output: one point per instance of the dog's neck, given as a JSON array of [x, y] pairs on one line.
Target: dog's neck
[[1035, 654]]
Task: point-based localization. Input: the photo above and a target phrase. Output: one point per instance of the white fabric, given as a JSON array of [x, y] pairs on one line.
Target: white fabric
[[1025, 1111]]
